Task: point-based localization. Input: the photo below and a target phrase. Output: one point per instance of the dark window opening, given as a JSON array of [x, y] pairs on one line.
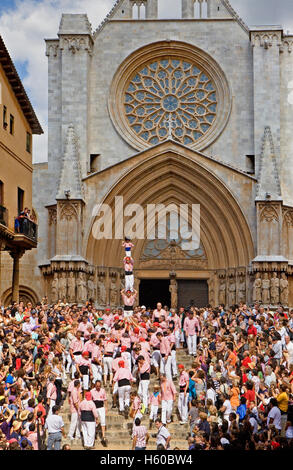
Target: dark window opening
[[11, 124], [5, 117], [20, 199], [94, 162], [250, 164], [28, 142], [1, 193]]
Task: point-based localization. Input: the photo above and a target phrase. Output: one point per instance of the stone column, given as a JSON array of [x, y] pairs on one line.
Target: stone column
[[16, 255]]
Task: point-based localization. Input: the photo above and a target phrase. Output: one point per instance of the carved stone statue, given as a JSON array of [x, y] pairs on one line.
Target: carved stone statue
[[275, 289], [211, 284], [284, 290], [63, 286], [241, 289], [222, 292], [173, 288], [91, 288], [265, 284], [101, 292], [232, 292], [71, 287], [256, 294], [113, 292], [55, 288], [81, 288]]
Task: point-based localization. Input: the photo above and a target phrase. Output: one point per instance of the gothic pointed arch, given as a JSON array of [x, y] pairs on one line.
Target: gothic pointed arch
[[171, 176]]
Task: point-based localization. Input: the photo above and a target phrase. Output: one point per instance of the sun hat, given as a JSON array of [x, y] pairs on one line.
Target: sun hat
[[16, 425], [23, 415]]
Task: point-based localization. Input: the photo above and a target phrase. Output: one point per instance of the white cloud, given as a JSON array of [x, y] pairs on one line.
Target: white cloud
[[24, 30], [25, 27]]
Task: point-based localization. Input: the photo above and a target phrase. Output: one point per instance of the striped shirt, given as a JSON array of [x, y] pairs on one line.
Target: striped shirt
[[140, 433]]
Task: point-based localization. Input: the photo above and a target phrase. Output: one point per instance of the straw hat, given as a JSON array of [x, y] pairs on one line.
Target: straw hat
[[16, 425], [23, 415]]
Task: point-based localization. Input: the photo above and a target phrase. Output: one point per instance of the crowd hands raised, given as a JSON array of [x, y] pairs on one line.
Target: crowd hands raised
[[233, 386]]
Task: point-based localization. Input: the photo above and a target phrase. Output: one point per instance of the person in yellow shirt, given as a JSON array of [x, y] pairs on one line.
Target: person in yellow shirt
[[283, 400]]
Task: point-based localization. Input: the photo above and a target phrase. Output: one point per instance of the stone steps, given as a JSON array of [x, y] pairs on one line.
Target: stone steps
[[119, 429]]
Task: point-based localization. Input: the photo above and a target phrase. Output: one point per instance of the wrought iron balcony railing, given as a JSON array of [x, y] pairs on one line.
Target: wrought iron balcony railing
[[26, 227]]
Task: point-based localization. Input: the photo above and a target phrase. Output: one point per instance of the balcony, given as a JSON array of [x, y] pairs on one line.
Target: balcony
[[26, 227], [3, 216]]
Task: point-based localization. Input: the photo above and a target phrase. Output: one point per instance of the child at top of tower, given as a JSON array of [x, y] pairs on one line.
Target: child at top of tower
[[127, 246]]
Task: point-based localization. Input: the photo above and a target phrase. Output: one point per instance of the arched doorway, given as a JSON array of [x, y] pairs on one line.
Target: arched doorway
[[26, 295], [174, 175]]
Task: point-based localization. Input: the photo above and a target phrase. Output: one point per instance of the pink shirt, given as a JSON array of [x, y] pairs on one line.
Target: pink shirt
[[33, 437], [110, 347], [123, 373], [99, 395], [168, 390], [51, 391], [136, 404], [126, 342], [108, 319], [124, 356], [158, 313], [154, 341], [184, 378], [88, 405], [129, 301], [115, 366], [96, 353], [144, 368], [155, 400], [90, 346], [76, 345], [74, 399], [189, 325], [165, 346]]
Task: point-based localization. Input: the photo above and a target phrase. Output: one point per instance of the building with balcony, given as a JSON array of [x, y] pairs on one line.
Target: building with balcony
[[18, 228]]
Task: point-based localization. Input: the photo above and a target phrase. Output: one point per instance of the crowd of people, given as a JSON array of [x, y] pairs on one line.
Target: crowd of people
[[234, 390]]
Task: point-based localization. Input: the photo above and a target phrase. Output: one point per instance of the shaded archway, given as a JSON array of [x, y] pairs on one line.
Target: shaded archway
[[26, 295]]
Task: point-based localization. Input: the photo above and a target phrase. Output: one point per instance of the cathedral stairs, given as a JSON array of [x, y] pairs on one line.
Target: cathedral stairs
[[119, 429]]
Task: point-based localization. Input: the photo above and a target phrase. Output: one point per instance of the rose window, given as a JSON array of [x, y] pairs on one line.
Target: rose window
[[170, 98]]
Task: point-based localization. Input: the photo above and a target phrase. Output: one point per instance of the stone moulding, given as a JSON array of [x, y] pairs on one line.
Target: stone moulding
[[157, 51]]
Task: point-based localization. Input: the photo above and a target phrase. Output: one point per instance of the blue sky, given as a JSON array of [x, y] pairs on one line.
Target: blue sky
[[25, 23]]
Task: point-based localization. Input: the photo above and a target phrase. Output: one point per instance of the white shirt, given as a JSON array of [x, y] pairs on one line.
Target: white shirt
[[289, 348], [162, 436], [275, 414], [228, 410], [54, 423]]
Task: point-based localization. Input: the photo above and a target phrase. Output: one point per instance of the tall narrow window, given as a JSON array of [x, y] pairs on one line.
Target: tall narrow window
[[250, 164], [204, 9], [20, 199], [196, 9], [28, 142], [4, 117], [135, 12], [11, 124], [200, 9], [142, 12], [1, 193]]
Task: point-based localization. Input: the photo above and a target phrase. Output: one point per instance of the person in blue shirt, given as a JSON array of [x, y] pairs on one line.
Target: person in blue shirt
[[241, 410]]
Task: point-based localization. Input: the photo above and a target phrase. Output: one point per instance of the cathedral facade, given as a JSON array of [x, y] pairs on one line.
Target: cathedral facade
[[196, 110]]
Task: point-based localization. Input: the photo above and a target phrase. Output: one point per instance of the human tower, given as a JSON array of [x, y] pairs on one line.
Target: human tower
[[128, 294]]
